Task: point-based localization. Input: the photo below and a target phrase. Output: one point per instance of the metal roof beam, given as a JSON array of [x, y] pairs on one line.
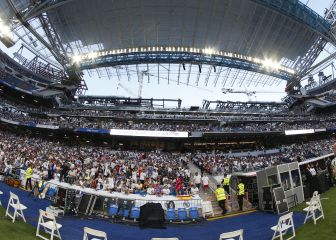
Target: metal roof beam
[[179, 57], [42, 7], [189, 74], [217, 76]]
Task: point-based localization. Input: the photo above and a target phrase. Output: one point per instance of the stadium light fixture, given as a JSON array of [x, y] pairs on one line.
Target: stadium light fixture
[[208, 51], [93, 55], [4, 29], [76, 59], [6, 35], [269, 64]]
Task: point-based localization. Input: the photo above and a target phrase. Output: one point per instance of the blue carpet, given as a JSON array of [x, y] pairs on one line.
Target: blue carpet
[[256, 225]]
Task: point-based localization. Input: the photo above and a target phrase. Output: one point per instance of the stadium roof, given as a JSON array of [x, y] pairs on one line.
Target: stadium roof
[[281, 30]]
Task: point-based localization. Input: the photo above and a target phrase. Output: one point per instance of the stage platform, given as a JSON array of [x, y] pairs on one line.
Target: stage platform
[[256, 225]]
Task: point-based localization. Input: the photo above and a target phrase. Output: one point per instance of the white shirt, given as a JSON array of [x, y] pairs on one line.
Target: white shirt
[[134, 175], [312, 171], [165, 191], [205, 180], [197, 179], [194, 190], [142, 176]]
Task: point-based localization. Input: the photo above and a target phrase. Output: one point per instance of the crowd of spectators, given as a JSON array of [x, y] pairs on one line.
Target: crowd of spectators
[[155, 172], [148, 122], [217, 163]]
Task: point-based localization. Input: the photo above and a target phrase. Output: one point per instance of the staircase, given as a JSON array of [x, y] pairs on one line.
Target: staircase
[[231, 198]]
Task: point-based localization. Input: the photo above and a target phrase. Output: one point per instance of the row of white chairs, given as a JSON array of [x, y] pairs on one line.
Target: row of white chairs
[[285, 223], [47, 221]]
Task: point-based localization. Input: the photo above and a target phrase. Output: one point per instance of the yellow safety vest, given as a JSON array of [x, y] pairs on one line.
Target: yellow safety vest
[[226, 181], [220, 194], [29, 173], [241, 189]]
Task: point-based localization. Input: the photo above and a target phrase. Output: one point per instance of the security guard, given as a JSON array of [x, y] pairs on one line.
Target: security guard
[[221, 198], [28, 176], [226, 183], [241, 193]]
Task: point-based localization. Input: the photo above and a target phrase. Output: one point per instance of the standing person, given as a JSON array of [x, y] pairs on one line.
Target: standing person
[[51, 170], [205, 181], [221, 198], [28, 176], [241, 193], [197, 180], [226, 183], [178, 186], [64, 172]]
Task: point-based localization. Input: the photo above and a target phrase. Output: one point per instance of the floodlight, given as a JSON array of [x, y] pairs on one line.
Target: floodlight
[[6, 36], [208, 51], [93, 55], [76, 58], [267, 63], [4, 29]]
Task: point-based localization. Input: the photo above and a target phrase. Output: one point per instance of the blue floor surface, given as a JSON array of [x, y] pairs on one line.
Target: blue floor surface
[[256, 225]]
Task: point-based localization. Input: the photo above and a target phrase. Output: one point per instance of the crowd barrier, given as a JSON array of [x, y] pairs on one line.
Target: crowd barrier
[[179, 202]]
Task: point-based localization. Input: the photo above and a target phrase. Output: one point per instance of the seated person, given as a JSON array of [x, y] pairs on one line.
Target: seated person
[[194, 190], [150, 190], [165, 190]]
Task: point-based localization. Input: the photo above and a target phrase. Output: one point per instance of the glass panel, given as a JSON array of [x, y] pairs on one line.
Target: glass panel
[[296, 178], [272, 180], [285, 181]]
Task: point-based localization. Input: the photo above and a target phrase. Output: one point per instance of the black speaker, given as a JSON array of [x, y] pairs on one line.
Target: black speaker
[[151, 216], [267, 199]]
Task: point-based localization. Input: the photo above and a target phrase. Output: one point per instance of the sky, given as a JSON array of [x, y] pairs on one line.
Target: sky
[[191, 96]]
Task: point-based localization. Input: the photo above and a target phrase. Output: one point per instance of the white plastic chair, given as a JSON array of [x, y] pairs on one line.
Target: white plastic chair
[[164, 239], [48, 222], [207, 208], [14, 202], [284, 224], [94, 233], [314, 206], [315, 195], [0, 200], [232, 235]]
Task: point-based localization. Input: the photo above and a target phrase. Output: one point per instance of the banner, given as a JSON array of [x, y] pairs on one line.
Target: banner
[[47, 126], [92, 130], [321, 130], [298, 132], [9, 121], [146, 133], [28, 124]]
